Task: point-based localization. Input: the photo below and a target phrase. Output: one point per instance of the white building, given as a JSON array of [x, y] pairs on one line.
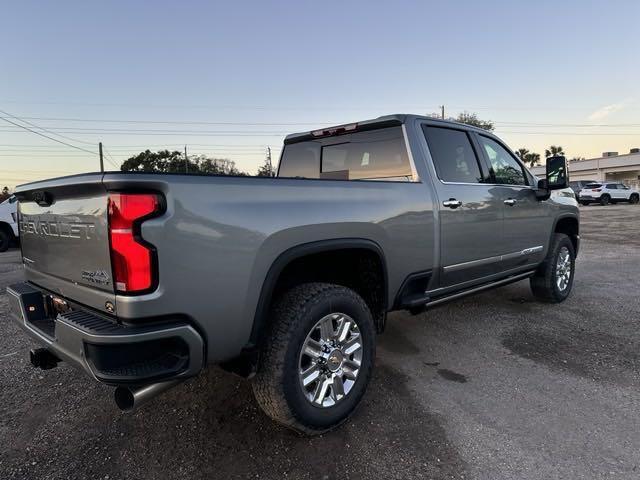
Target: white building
[[611, 166]]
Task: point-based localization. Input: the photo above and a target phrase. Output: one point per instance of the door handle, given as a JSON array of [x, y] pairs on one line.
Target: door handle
[[510, 201], [452, 203]]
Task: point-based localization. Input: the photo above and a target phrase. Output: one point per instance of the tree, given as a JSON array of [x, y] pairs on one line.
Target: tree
[[522, 153], [472, 119], [6, 193], [165, 161], [554, 151], [531, 159], [266, 170]]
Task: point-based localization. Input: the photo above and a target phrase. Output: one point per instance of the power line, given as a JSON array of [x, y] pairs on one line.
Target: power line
[[43, 135], [178, 122], [45, 130]]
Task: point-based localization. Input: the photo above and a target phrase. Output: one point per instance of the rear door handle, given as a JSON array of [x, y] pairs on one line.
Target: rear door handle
[[452, 203], [510, 201]]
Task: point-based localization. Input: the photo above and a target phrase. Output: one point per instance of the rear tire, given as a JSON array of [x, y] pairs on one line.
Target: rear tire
[[313, 318], [634, 199], [605, 199], [5, 241], [553, 280]]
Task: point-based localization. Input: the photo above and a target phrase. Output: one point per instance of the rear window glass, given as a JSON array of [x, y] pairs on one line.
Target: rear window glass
[[593, 185], [371, 155]]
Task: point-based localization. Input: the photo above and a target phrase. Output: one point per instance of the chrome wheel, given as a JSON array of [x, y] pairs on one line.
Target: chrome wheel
[[563, 269], [330, 360]]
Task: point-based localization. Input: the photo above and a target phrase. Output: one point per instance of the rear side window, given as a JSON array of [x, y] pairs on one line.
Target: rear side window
[[612, 186], [370, 155], [452, 154]]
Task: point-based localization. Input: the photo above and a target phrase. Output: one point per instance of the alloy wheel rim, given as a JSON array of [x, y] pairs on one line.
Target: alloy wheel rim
[[563, 269], [330, 360]]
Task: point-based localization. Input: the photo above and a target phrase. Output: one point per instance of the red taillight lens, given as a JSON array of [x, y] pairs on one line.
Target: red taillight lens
[[598, 190], [132, 259]]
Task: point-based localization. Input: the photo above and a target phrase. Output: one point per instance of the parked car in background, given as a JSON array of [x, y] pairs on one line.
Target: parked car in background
[[577, 185], [607, 192], [8, 224]]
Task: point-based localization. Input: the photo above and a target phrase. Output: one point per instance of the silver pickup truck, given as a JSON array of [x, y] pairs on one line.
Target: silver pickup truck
[[142, 280]]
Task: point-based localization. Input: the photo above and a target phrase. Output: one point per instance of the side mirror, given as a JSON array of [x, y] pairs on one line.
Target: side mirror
[[543, 192], [557, 173]]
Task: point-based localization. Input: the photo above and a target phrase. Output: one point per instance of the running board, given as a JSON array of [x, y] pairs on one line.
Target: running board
[[486, 286]]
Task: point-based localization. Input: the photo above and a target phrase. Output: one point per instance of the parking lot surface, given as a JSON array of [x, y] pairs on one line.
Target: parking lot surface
[[495, 386]]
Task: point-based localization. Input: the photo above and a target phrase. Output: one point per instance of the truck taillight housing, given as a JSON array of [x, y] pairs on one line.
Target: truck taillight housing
[[133, 260]]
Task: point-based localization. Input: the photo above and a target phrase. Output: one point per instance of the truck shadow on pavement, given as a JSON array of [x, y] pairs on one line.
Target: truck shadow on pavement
[[211, 427]]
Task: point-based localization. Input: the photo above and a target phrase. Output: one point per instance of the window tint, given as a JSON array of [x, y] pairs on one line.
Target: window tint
[[612, 186], [377, 154], [453, 155], [506, 169], [369, 155], [300, 160], [593, 185]]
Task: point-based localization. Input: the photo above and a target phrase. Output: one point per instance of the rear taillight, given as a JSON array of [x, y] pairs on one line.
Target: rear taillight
[[132, 259], [597, 190]]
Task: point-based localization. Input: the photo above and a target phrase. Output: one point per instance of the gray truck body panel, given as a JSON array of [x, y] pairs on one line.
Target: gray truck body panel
[[220, 236]]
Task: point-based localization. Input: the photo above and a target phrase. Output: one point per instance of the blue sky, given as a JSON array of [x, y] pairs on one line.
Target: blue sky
[[84, 69]]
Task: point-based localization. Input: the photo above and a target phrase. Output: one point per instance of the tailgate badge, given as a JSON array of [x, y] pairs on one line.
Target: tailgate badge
[[99, 277]]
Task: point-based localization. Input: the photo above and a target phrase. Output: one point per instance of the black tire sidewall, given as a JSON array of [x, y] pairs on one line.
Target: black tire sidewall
[[564, 241], [605, 199], [324, 418]]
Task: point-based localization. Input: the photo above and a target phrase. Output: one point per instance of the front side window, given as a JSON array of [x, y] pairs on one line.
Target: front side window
[[452, 154], [506, 169]]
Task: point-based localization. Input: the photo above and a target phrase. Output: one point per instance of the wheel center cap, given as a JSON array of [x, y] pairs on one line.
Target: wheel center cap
[[334, 361]]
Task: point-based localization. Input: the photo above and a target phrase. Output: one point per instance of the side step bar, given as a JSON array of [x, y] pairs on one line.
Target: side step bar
[[428, 302]]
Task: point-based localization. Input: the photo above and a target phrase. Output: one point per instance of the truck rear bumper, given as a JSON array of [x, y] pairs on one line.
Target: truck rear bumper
[[110, 352]]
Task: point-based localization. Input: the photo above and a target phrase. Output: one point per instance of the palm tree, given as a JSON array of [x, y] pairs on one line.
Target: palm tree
[[531, 159], [522, 153], [554, 151]]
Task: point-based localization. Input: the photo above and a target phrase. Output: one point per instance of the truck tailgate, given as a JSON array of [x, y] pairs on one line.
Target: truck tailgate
[[65, 239]]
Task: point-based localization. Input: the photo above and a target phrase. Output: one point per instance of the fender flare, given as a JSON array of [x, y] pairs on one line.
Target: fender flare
[[285, 258]]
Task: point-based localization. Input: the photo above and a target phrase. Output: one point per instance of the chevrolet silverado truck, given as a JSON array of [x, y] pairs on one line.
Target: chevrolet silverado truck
[[142, 280]]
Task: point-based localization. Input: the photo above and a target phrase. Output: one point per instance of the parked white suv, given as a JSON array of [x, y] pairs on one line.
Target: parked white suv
[[607, 192], [8, 224]]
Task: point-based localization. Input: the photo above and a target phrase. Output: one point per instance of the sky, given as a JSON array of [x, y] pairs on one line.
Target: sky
[[229, 79]]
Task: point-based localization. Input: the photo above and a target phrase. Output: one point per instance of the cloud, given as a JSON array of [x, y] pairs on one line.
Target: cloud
[[607, 110]]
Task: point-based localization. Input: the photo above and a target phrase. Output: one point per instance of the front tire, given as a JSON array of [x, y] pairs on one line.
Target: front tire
[[553, 280], [317, 359], [634, 199]]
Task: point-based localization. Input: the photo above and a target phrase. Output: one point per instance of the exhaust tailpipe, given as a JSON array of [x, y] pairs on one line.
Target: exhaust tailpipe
[[130, 398]]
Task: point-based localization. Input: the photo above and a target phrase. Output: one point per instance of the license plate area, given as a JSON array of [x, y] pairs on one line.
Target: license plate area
[[41, 311]]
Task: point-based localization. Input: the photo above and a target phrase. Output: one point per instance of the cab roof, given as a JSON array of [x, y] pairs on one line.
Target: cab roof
[[395, 119]]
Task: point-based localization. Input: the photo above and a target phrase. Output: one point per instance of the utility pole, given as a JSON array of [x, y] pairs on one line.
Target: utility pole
[[442, 111], [269, 161], [186, 160], [101, 158]]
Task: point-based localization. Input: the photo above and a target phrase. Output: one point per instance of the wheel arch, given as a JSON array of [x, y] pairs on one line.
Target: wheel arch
[[300, 252], [570, 226]]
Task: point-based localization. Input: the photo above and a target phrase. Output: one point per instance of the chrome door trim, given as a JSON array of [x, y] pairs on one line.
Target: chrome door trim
[[498, 258]]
